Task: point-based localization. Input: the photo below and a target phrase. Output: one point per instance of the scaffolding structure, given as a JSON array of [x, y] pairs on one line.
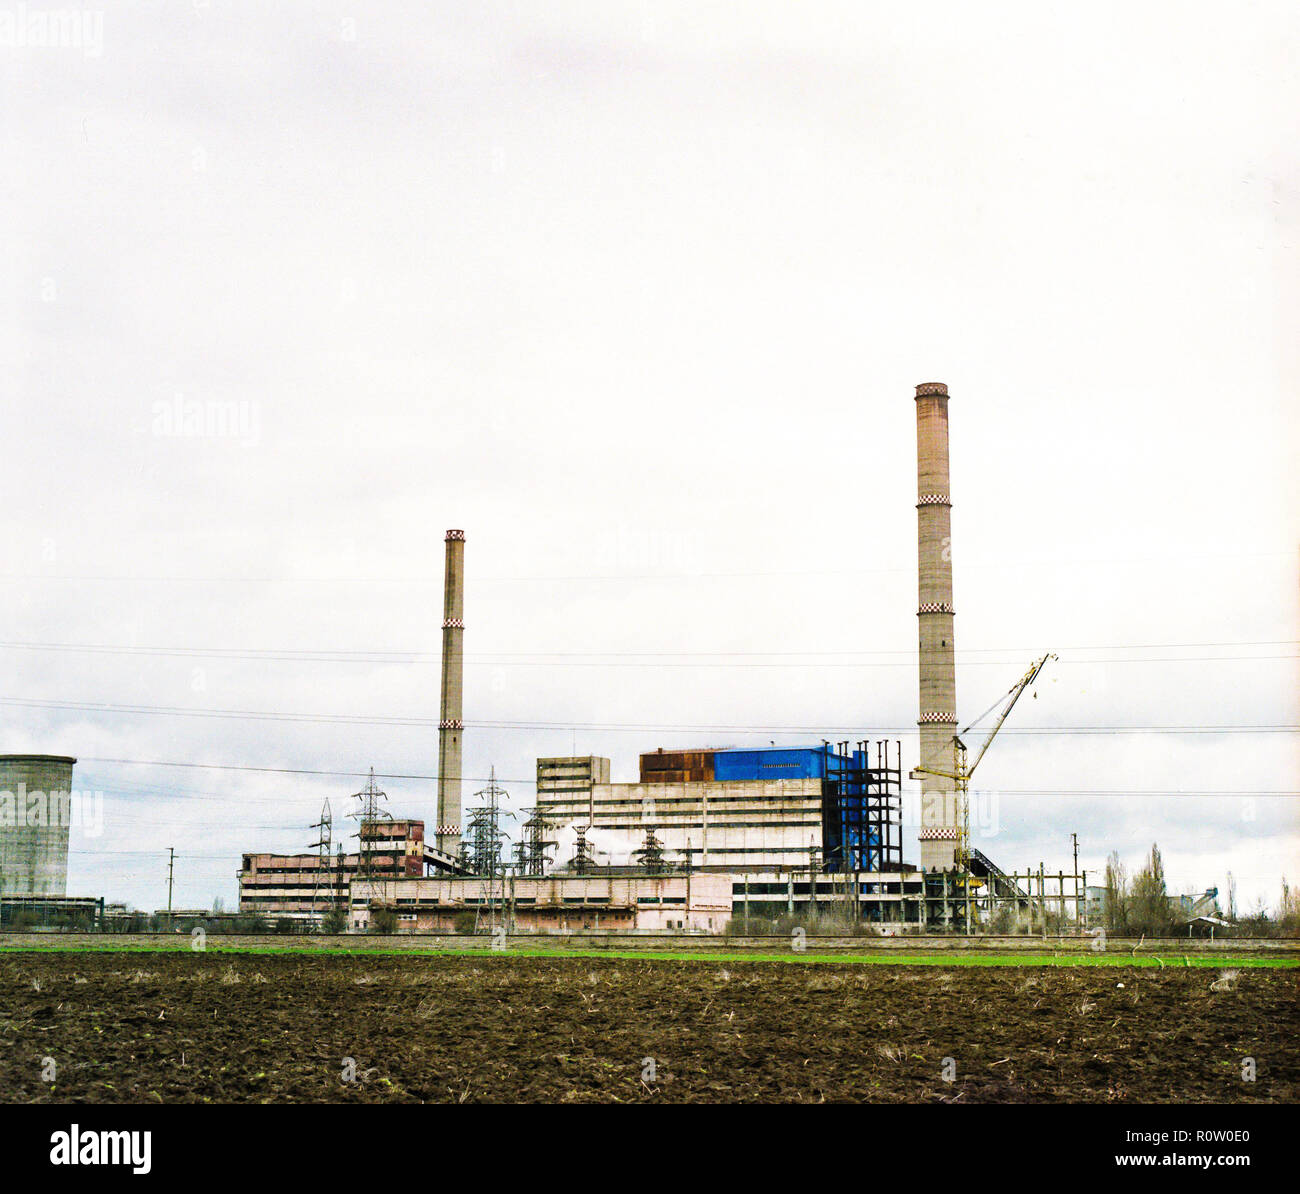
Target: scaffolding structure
[[862, 808], [1039, 901]]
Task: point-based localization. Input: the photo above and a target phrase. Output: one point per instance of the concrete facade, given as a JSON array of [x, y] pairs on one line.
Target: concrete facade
[[451, 727], [937, 719], [551, 903], [564, 787], [742, 825], [35, 815]]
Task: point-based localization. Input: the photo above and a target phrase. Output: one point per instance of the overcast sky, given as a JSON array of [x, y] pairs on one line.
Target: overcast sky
[[637, 295]]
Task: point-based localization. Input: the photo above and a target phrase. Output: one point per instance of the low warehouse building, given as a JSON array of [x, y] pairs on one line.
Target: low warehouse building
[[549, 903]]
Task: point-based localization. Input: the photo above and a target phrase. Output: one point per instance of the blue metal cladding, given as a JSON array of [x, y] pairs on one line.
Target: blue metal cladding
[[851, 843], [804, 762]]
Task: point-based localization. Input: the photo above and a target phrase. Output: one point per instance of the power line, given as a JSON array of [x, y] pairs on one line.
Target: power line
[[659, 658], [531, 779], [426, 722], [543, 578]]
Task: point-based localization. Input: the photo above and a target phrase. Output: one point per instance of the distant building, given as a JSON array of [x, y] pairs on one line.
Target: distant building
[[1189, 907], [1182, 908], [301, 886], [549, 903]]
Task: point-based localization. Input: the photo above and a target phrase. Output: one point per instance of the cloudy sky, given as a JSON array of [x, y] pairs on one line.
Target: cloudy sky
[[637, 295]]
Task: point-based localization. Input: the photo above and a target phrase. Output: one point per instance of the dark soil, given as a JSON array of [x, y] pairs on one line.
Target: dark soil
[[254, 1028]]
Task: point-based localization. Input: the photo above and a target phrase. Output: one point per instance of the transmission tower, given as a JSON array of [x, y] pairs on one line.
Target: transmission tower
[[484, 829], [324, 859], [485, 836], [533, 850], [370, 813], [651, 853], [583, 859]]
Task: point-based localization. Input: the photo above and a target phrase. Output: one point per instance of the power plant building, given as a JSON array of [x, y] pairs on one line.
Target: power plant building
[[775, 830], [564, 787], [300, 886], [740, 810], [556, 903]]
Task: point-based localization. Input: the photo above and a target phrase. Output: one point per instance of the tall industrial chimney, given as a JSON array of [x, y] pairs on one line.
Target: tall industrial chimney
[[450, 726], [938, 688]]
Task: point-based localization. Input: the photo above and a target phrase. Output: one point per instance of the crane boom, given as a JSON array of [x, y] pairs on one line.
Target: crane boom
[[1013, 695]]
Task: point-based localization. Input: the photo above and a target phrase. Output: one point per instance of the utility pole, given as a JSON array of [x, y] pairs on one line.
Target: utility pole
[[1078, 914], [171, 874]]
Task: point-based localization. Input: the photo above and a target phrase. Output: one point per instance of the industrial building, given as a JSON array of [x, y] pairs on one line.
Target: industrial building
[[740, 810], [710, 833], [555, 903], [302, 886], [35, 816]]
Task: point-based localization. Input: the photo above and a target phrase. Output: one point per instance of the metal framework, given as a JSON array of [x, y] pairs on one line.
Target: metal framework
[[482, 850], [583, 860], [651, 854], [862, 808], [370, 812], [532, 851], [324, 859], [961, 775], [484, 835]]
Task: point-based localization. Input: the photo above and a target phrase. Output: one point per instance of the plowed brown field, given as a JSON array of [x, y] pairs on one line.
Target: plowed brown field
[[249, 1028]]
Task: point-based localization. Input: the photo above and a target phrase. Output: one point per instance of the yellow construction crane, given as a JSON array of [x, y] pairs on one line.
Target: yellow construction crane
[[961, 773]]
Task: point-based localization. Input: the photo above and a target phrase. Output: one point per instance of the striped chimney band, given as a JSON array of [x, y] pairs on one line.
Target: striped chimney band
[[933, 499], [936, 607], [928, 388], [927, 719], [453, 623], [451, 723], [455, 535], [936, 835], [448, 831]]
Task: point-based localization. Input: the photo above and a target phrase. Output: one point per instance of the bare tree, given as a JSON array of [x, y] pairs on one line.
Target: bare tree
[[1149, 902], [1117, 895]]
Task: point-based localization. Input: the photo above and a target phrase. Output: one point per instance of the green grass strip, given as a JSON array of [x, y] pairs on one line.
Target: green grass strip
[[892, 958]]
